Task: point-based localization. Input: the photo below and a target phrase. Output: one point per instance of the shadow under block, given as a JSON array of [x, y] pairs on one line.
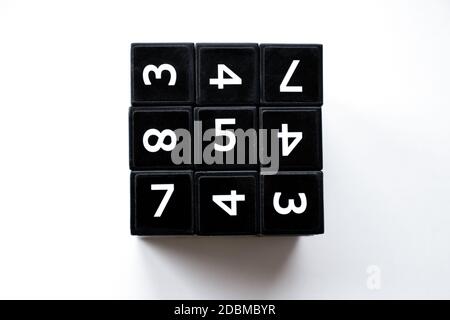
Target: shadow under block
[[292, 203], [162, 74], [161, 203]]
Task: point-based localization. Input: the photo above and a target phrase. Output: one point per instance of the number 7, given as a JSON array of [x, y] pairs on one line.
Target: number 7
[[284, 84], [169, 190]]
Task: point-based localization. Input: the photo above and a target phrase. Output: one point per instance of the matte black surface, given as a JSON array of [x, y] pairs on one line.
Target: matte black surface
[[242, 59], [245, 119], [213, 220], [276, 60], [177, 217], [290, 184], [307, 154], [160, 118], [178, 55], [268, 97]]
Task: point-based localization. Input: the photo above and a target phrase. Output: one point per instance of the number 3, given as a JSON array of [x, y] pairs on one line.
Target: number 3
[[158, 72], [291, 205]]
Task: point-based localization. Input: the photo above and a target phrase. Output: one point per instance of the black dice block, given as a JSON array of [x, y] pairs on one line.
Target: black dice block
[[162, 203], [162, 73], [299, 136], [215, 123], [291, 74], [292, 203], [226, 203], [156, 133], [227, 74]]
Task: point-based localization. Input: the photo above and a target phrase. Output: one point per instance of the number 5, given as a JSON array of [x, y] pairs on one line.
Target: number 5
[[226, 133], [169, 190]]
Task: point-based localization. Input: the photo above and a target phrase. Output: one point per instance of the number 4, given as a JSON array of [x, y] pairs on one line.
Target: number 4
[[232, 197], [220, 81], [284, 135]]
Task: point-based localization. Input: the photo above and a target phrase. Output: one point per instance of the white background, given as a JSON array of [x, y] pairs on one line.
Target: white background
[[64, 178]]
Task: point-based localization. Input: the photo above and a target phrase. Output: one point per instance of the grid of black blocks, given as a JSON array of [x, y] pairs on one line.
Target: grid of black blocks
[[201, 164]]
